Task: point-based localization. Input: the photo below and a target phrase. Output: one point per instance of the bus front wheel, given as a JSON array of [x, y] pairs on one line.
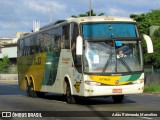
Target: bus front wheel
[[117, 98], [69, 97]]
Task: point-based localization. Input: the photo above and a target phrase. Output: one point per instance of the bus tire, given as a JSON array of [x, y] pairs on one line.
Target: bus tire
[[40, 94], [69, 97], [30, 91], [117, 98]]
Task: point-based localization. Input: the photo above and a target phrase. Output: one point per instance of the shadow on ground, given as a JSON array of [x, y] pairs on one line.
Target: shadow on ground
[[13, 89], [10, 89], [88, 101]]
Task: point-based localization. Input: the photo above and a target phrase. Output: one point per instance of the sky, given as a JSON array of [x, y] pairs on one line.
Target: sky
[[18, 15]]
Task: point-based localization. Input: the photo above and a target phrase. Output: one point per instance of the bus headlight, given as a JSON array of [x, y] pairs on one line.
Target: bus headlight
[[138, 81], [91, 83]]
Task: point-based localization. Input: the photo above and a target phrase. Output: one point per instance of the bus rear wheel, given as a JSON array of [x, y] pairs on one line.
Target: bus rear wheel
[[30, 90], [40, 94], [117, 98], [69, 97], [32, 93]]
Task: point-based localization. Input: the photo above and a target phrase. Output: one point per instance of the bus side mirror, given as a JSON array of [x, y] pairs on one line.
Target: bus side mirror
[[149, 43], [79, 45]]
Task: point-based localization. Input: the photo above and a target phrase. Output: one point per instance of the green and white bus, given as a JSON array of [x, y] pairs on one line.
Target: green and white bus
[[83, 57]]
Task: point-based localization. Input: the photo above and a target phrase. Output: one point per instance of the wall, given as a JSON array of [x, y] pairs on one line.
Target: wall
[[8, 76], [152, 78], [11, 52]]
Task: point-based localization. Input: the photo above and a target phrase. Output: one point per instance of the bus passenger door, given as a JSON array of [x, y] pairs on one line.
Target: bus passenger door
[[76, 58], [76, 69]]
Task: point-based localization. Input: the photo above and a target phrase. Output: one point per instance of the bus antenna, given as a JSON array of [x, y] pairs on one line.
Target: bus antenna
[[90, 7]]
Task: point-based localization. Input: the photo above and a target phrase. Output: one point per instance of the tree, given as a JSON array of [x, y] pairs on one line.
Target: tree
[[4, 64], [144, 22], [101, 14], [88, 14], [154, 58]]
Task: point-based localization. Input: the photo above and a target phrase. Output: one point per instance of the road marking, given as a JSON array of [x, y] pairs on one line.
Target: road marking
[[61, 102]]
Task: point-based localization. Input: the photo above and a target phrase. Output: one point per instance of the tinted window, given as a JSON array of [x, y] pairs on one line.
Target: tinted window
[[40, 41], [65, 36], [33, 44], [47, 40], [108, 30], [26, 49]]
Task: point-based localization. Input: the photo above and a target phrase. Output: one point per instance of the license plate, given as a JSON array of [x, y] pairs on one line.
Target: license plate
[[117, 90]]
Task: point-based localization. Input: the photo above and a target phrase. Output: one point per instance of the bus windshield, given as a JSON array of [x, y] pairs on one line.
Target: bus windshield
[[109, 30], [112, 56]]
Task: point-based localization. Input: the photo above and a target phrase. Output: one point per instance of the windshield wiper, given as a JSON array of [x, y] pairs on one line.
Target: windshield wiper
[[107, 63], [125, 64]]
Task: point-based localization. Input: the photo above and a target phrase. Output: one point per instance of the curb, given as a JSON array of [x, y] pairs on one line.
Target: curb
[[8, 81], [158, 94]]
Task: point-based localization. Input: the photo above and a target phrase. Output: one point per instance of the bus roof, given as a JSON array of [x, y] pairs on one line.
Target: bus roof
[[85, 19], [90, 19], [100, 18]]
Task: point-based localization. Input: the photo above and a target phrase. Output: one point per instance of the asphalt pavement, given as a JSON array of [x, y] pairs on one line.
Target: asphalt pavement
[[52, 106]]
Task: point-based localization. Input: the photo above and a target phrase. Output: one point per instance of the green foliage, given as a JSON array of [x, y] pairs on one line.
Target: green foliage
[[4, 64], [74, 16], [155, 57], [92, 13], [144, 22], [153, 88], [87, 14], [101, 14]]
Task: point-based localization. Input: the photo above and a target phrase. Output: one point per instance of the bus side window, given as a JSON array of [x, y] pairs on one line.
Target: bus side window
[[33, 45], [53, 33], [21, 45], [65, 36], [40, 42], [26, 46], [58, 38], [47, 40]]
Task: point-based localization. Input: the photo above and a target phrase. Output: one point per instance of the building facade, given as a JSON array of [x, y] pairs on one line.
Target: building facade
[[8, 47]]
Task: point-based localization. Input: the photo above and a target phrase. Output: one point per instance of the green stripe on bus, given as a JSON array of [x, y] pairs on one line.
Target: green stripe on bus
[[124, 78], [134, 77], [51, 68], [129, 78]]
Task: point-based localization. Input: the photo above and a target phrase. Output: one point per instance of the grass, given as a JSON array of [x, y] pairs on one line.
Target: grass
[[152, 88]]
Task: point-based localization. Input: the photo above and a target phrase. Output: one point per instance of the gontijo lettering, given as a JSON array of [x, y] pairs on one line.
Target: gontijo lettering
[[34, 61]]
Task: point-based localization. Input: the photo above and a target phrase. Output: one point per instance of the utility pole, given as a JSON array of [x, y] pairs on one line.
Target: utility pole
[[90, 7], [51, 10]]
